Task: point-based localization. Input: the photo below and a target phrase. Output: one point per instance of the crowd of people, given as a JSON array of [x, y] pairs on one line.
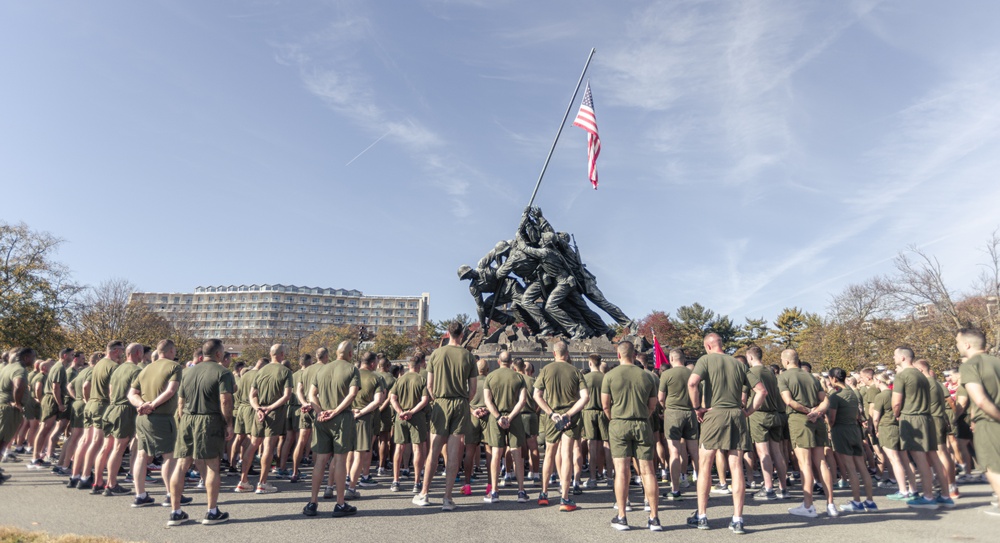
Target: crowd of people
[[119, 416]]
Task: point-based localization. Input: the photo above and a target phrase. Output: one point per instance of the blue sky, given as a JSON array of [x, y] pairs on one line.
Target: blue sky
[[756, 155]]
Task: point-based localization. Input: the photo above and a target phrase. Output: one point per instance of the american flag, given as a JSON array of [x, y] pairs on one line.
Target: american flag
[[587, 120]]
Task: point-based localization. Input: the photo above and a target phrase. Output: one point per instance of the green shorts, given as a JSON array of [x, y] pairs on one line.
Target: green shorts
[[847, 439], [595, 425], [386, 417], [76, 417], [307, 420], [293, 418], [202, 437], [31, 410], [888, 436], [547, 428], [805, 434], [243, 418], [941, 430], [656, 422], [273, 424], [680, 424], [725, 430], [986, 440], [631, 439], [156, 434], [410, 431], [766, 427], [119, 421], [10, 422], [512, 436], [529, 420], [476, 433], [916, 433], [364, 430], [50, 409], [93, 414], [450, 416], [335, 436]]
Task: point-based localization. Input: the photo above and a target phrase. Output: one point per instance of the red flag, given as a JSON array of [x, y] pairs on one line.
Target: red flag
[[661, 359], [587, 120]]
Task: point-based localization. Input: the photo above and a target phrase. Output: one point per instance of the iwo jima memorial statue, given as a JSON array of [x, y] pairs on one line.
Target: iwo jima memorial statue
[[536, 286]]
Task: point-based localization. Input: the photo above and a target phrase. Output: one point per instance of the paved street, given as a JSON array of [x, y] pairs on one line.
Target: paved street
[[39, 501]]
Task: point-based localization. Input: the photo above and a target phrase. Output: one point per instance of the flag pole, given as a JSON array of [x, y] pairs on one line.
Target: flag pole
[[561, 125]]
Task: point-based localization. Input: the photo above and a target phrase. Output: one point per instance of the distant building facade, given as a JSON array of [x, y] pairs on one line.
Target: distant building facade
[[282, 311]]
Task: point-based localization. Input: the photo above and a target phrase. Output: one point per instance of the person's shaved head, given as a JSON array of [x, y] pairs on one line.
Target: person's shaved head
[[345, 349], [483, 366], [790, 357], [626, 350], [504, 359], [676, 357], [560, 350], [713, 342], [923, 366]]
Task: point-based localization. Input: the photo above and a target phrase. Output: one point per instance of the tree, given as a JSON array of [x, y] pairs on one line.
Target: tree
[[660, 324], [695, 320], [35, 291], [329, 337], [753, 332], [392, 344], [989, 289], [105, 314], [787, 327]]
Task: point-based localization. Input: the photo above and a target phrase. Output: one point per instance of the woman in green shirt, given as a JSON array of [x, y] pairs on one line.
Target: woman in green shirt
[[887, 432], [844, 416]]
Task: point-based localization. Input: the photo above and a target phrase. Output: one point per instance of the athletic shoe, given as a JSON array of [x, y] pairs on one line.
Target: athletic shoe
[[59, 470], [367, 482], [870, 506], [852, 507], [72, 482], [492, 497], [945, 502], [591, 484], [217, 518], [266, 488], [448, 504], [38, 464], [567, 506], [673, 496], [784, 494], [184, 501], [310, 509], [543, 498], [645, 505], [394, 487], [765, 494], [328, 493], [421, 500], [619, 523], [380, 472], [899, 496], [841, 484], [831, 510], [721, 490], [522, 497], [404, 473], [993, 511], [155, 467], [192, 476], [653, 525], [416, 489], [737, 527], [577, 490], [116, 490], [953, 492], [201, 484], [128, 478], [352, 494], [803, 511], [695, 522], [921, 502], [176, 519], [240, 488], [345, 510], [553, 479], [143, 502], [97, 490], [628, 506], [684, 481]]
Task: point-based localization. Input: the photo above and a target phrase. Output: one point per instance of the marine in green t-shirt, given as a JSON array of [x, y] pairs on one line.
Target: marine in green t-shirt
[[449, 369], [674, 386]]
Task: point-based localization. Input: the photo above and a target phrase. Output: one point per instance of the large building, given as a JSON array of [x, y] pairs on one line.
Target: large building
[[283, 311]]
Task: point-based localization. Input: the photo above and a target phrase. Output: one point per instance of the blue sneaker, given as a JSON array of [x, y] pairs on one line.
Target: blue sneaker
[[921, 502], [945, 502], [852, 507], [870, 506]]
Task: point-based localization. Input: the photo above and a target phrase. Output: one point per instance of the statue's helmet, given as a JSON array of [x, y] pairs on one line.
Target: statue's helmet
[[464, 271], [501, 246], [563, 237]]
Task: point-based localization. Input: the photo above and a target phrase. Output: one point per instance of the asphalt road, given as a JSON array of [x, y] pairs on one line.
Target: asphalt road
[[37, 500]]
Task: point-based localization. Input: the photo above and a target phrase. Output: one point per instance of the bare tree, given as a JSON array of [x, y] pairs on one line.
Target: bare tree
[[919, 282], [105, 314], [989, 287]]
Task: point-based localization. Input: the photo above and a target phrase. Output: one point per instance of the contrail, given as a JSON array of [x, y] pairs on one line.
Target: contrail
[[367, 148]]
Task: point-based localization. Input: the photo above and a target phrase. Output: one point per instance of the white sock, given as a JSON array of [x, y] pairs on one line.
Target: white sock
[[737, 519]]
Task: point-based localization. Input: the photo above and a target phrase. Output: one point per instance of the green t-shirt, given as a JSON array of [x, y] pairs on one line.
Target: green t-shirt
[[764, 375], [451, 367], [937, 399], [983, 370], [802, 386], [561, 384], [271, 382], [121, 382], [505, 386], [153, 380], [882, 405], [674, 384], [529, 382], [57, 374], [309, 377], [724, 377], [202, 385], [916, 392], [371, 384], [594, 380], [100, 378], [333, 383], [39, 378], [478, 402], [409, 390], [389, 381], [630, 389], [8, 374], [246, 383], [848, 406], [293, 402], [78, 382]]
